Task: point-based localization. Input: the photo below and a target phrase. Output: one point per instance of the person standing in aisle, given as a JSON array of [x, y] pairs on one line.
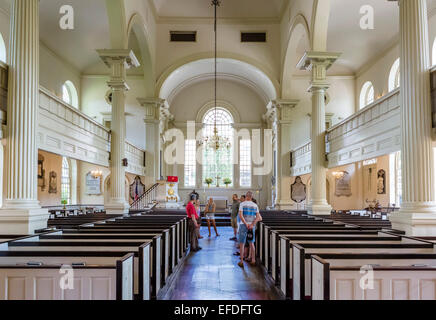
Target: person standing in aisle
[[192, 223]]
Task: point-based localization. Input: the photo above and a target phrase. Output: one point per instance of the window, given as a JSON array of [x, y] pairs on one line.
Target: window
[[2, 50], [245, 163], [366, 95], [398, 180], [69, 94], [190, 163], [394, 76], [65, 181], [434, 52], [218, 165]]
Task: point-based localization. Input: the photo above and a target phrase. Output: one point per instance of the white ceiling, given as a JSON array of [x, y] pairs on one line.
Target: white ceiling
[[91, 31], [227, 68], [360, 46], [228, 8]]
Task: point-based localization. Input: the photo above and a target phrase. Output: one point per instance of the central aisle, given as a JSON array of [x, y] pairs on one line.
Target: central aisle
[[213, 274]]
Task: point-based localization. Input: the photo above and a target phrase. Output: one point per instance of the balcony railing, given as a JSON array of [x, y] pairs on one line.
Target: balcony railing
[[372, 132], [301, 159], [136, 159]]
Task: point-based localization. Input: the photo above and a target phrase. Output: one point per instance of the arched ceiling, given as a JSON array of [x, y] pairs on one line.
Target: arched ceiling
[[228, 8], [227, 69]]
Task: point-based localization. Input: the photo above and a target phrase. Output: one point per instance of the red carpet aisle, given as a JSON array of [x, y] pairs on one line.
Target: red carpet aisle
[[213, 274]]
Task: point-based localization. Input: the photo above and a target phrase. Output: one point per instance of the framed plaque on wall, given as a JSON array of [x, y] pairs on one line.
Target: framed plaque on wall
[[93, 184]]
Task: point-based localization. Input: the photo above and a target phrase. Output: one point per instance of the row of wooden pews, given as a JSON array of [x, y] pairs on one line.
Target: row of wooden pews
[[310, 257], [119, 258]]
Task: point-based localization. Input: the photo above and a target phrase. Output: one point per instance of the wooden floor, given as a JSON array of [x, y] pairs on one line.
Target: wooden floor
[[213, 274]]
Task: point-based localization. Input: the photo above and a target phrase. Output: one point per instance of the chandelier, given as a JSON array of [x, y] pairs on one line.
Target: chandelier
[[215, 141]]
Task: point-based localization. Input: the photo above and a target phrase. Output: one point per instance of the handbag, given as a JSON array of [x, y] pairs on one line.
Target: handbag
[[250, 235]]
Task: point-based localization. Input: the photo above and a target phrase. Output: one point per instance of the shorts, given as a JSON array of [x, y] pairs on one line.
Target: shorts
[[234, 223], [242, 234], [210, 216]]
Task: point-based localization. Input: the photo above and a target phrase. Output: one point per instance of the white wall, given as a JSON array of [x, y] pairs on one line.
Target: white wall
[[94, 104], [229, 41], [341, 105], [54, 71]]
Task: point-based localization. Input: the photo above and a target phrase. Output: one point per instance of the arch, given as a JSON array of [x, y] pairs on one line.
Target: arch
[[258, 68], [200, 67], [138, 27], [107, 189], [394, 76], [224, 104], [299, 32], [319, 25], [3, 55], [366, 94], [69, 94], [434, 52]]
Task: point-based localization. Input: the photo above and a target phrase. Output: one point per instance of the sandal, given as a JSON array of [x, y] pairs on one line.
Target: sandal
[[241, 264]]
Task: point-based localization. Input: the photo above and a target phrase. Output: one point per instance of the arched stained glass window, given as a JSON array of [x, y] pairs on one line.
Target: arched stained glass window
[[218, 165]]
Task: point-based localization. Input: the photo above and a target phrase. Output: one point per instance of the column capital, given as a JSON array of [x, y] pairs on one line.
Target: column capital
[[155, 108], [280, 110], [318, 63], [117, 56]]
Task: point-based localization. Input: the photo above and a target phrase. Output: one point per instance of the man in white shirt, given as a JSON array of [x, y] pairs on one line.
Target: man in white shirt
[[249, 216]]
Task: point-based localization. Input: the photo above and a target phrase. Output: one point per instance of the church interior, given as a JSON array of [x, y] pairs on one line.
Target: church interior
[[118, 116]]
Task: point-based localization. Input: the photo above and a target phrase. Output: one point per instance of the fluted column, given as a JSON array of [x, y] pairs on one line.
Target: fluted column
[[118, 61], [318, 63], [418, 208], [284, 121], [153, 109], [21, 212]]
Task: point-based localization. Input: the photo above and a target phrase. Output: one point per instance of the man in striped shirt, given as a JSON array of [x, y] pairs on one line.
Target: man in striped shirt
[[248, 217]]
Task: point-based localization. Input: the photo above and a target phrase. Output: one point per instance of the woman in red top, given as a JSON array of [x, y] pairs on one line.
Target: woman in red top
[[191, 212]]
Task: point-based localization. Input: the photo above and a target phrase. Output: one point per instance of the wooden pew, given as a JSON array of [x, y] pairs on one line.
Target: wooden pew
[[145, 255], [395, 277], [302, 253], [168, 233], [112, 280]]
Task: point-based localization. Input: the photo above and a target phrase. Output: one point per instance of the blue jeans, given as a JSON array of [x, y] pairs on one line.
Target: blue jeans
[[242, 234]]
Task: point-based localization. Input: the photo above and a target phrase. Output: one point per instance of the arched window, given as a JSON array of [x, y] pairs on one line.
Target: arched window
[[394, 76], [2, 49], [434, 52], [366, 94], [66, 181], [218, 165], [69, 94]]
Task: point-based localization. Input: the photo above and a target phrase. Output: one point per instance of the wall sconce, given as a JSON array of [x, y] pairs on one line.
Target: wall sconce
[[338, 174], [125, 162], [96, 173]]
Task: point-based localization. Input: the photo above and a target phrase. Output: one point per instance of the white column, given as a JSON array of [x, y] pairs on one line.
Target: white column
[[152, 119], [318, 63], [284, 122], [118, 61], [21, 212], [418, 210]]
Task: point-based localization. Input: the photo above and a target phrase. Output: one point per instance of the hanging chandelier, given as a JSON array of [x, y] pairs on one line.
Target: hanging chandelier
[[215, 141]]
